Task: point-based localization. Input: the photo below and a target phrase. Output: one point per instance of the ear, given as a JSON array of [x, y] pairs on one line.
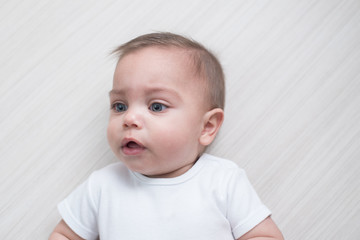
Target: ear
[[211, 125]]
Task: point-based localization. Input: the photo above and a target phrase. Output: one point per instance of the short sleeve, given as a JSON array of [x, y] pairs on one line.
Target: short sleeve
[[245, 209], [79, 211]]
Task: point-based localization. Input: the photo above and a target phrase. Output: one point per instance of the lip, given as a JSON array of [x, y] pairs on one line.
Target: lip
[[132, 147]]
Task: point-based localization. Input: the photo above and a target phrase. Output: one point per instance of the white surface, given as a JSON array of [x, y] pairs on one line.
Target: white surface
[[292, 114]]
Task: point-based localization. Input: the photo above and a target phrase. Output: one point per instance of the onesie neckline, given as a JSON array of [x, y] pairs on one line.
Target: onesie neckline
[[175, 180]]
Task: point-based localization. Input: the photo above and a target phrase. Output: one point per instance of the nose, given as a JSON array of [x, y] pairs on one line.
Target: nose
[[132, 119]]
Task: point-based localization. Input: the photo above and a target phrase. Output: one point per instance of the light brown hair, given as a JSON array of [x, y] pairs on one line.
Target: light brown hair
[[205, 63]]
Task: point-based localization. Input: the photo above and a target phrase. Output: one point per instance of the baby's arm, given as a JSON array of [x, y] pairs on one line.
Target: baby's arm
[[266, 230], [63, 232]]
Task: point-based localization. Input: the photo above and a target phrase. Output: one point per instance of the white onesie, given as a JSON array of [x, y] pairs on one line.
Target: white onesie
[[213, 200]]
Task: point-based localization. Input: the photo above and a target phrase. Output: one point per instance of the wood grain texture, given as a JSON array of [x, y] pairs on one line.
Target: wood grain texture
[[292, 106]]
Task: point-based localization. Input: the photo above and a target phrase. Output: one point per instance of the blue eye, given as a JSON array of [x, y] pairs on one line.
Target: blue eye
[[119, 107], [157, 107]]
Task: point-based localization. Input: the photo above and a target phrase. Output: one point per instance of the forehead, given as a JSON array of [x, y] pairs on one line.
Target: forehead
[[157, 57], [159, 68], [158, 64]]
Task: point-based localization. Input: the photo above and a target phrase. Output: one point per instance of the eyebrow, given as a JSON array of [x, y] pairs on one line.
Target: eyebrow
[[148, 91], [116, 92]]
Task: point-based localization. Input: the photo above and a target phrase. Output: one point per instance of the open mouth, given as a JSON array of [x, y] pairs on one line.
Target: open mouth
[[133, 144], [132, 148]]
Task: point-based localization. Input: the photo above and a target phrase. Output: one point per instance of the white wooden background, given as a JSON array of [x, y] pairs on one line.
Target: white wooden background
[[292, 114]]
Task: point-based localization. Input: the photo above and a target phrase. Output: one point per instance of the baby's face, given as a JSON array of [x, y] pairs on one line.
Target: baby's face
[[157, 112]]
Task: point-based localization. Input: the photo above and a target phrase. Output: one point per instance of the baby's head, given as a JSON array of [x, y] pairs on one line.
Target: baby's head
[[203, 63], [167, 103]]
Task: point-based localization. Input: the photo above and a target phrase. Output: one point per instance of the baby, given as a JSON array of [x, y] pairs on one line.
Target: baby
[[167, 106]]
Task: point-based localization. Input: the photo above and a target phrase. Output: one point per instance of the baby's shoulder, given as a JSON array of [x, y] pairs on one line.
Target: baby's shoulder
[[221, 166], [220, 163]]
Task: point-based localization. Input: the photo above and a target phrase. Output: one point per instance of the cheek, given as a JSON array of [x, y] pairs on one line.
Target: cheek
[[111, 132], [177, 134]]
